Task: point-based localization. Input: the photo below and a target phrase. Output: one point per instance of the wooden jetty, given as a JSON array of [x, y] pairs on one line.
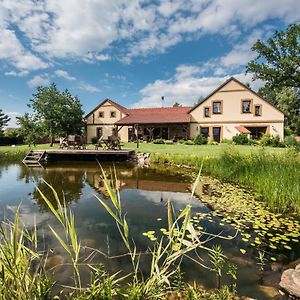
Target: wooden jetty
[[35, 157]]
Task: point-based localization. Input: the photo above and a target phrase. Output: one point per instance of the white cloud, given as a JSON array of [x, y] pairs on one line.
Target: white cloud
[[64, 74], [88, 87], [12, 50], [186, 87], [75, 28], [17, 74], [38, 80]]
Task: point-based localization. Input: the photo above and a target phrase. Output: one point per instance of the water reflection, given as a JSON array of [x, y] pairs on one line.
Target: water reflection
[[144, 194]]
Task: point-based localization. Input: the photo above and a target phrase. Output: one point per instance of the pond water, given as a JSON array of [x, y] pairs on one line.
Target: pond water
[[144, 194]]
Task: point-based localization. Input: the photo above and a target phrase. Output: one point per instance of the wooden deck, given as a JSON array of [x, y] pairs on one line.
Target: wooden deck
[[86, 154]]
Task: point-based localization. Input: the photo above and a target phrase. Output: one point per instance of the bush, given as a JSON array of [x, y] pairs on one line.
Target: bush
[[273, 141], [189, 142], [213, 143], [290, 141], [181, 141], [94, 140], [241, 139], [169, 142], [158, 141], [200, 139]]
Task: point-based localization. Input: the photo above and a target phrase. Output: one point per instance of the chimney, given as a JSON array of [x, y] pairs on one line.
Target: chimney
[[162, 101]]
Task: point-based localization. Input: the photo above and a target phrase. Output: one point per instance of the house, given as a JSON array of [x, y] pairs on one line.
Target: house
[[231, 109]]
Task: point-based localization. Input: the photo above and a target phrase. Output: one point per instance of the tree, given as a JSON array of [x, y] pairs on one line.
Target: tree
[[176, 104], [278, 60], [4, 119], [30, 129], [59, 113], [278, 65]]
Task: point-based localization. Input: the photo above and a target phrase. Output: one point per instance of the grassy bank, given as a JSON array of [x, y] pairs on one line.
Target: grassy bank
[[275, 176], [8, 153], [272, 172]]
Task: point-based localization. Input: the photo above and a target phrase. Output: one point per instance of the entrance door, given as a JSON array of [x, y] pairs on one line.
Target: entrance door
[[99, 132], [217, 134]]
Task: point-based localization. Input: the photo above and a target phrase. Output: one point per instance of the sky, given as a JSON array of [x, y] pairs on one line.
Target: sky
[[131, 51]]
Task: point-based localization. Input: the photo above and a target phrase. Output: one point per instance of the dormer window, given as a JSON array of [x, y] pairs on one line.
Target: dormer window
[[217, 107], [257, 110], [246, 106], [101, 114], [206, 112], [113, 114]]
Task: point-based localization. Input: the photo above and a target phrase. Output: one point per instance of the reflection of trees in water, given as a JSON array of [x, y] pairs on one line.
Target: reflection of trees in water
[[29, 174], [67, 183]]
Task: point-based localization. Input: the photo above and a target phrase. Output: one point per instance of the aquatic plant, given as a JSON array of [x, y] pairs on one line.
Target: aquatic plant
[[258, 227], [274, 177]]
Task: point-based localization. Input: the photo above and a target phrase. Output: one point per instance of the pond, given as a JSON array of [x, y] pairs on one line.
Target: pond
[[144, 194]]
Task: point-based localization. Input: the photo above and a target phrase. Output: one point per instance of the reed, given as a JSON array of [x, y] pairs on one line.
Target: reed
[[275, 177]]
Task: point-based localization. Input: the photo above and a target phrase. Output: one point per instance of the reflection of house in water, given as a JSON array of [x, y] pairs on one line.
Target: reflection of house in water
[[131, 179]]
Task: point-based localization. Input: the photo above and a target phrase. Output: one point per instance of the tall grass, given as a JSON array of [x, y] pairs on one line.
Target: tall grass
[[276, 177], [23, 275]]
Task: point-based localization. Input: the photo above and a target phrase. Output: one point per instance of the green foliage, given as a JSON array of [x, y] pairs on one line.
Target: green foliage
[[30, 129], [260, 170], [59, 113], [189, 142], [241, 139], [22, 275], [200, 139], [94, 140], [218, 261], [227, 141], [273, 141], [278, 59], [277, 64], [176, 104], [4, 119], [158, 141]]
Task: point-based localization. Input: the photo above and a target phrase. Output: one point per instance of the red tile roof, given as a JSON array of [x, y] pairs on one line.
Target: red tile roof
[[242, 129], [156, 115]]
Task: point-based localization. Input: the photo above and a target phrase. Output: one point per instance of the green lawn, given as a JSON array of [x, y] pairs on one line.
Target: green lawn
[[194, 150], [200, 150]]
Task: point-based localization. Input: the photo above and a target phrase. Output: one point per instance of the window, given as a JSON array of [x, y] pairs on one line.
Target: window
[[246, 106], [113, 114], [257, 110], [217, 107], [206, 112], [205, 131], [101, 114]]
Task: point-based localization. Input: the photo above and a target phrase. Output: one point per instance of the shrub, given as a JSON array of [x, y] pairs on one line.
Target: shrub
[[241, 139], [200, 139], [94, 140], [273, 141], [290, 141], [213, 143], [158, 141], [181, 141], [189, 142], [169, 142]]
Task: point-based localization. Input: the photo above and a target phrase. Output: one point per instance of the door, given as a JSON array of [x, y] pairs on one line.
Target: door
[[99, 132], [217, 134]]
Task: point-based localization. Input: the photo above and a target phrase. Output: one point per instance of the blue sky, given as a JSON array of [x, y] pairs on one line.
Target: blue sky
[[131, 51]]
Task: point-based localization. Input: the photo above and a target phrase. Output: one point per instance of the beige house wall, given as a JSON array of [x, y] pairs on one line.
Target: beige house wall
[[231, 96], [95, 121]]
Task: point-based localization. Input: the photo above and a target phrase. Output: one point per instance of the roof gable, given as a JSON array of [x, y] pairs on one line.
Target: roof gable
[[116, 105], [239, 83]]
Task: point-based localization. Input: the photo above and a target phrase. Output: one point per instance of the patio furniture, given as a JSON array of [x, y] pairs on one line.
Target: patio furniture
[[100, 143]]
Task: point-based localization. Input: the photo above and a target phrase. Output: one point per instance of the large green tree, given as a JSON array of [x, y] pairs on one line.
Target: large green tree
[[4, 119], [278, 65], [278, 59], [59, 113]]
